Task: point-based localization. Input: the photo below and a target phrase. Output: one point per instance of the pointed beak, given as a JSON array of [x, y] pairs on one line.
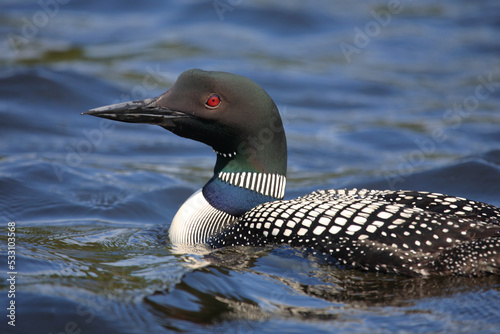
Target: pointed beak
[[144, 111]]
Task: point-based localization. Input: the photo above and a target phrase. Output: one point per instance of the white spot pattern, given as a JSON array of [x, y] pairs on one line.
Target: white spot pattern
[[404, 232]]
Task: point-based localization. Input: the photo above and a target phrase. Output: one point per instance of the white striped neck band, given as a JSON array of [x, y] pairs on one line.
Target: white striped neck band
[[226, 155], [266, 184]]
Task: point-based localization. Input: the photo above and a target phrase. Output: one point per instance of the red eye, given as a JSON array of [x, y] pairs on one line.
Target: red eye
[[213, 101]]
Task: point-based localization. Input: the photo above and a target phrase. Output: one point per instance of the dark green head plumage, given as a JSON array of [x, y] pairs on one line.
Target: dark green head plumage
[[228, 112]]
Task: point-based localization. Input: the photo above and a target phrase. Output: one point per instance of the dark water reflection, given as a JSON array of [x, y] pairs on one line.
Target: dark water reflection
[[92, 200]]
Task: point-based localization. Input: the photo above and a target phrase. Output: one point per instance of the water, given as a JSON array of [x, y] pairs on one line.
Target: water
[[370, 95]]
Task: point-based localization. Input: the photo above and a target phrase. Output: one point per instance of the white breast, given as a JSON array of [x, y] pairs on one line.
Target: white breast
[[197, 220]]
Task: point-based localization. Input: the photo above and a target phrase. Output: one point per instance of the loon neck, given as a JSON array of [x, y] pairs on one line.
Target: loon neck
[[238, 185], [236, 193], [251, 171]]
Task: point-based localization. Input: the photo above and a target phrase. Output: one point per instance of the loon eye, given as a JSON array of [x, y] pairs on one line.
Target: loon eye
[[213, 101]]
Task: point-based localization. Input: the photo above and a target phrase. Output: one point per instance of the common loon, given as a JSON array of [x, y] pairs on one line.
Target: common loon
[[412, 233]]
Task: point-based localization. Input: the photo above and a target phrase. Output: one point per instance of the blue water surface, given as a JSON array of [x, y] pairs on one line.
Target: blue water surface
[[378, 94]]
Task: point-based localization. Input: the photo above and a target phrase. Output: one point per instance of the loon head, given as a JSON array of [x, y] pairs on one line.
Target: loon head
[[234, 116], [228, 112]]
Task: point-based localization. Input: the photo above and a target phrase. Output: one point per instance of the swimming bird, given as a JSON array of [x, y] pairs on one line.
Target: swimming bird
[[411, 233]]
